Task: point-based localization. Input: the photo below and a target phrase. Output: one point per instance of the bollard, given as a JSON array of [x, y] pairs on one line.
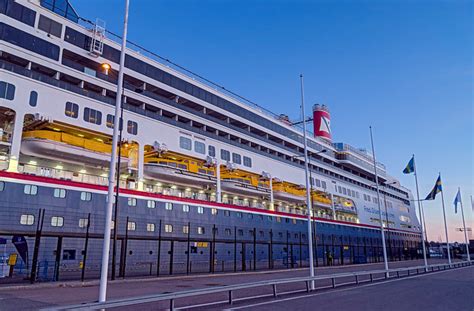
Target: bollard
[[333, 283], [307, 286], [230, 297], [171, 304], [274, 290], [371, 278], [357, 279]]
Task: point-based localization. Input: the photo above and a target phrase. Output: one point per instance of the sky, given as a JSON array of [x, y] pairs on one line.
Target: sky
[[403, 67]]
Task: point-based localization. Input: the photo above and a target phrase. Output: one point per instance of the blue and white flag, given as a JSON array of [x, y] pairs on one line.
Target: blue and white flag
[[457, 200]]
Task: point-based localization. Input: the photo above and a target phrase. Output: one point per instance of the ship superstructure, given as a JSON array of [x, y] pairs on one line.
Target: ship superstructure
[[181, 137]]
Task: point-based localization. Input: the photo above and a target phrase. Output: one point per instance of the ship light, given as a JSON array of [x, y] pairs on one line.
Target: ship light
[[173, 187], [56, 129], [59, 167], [80, 135], [83, 171], [32, 162], [158, 184], [225, 195], [201, 191], [213, 194], [236, 198], [187, 189]]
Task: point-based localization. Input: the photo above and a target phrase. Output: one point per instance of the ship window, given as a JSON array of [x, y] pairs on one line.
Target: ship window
[[7, 90], [33, 98], [185, 143], [241, 232], [343, 190], [59, 193], [110, 121], [225, 155], [226, 213], [69, 254], [168, 228], [150, 227], [30, 189], [27, 219], [247, 162], [92, 116], [72, 110], [132, 202], [185, 229], [50, 26], [200, 210], [86, 196], [323, 184], [214, 211], [131, 226], [151, 204], [18, 12], [201, 230], [168, 206], [57, 221], [238, 214], [2, 185], [186, 208], [132, 127], [83, 222], [199, 147], [236, 158], [318, 183], [211, 151], [28, 41], [228, 231]]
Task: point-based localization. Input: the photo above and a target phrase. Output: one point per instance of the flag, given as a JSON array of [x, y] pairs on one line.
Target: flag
[[457, 200], [436, 189], [410, 168]]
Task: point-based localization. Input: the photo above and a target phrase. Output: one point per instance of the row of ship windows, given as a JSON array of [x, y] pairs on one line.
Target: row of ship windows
[[55, 28], [200, 147], [94, 116], [58, 221]]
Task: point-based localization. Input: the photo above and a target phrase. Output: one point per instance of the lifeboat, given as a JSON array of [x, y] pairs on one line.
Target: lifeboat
[[178, 174], [65, 147], [344, 205], [241, 187]]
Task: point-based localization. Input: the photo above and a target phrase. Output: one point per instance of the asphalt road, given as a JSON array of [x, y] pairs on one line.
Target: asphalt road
[[451, 290], [51, 294]]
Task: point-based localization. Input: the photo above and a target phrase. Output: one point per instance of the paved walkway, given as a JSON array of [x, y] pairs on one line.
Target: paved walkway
[[32, 297]]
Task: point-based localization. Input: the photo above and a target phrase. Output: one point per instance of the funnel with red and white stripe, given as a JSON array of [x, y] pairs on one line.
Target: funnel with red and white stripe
[[322, 122]]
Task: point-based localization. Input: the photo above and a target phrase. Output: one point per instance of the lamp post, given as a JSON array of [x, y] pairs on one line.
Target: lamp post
[[112, 170]]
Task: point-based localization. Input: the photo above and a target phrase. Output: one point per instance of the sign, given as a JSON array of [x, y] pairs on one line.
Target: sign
[[12, 259], [21, 246]]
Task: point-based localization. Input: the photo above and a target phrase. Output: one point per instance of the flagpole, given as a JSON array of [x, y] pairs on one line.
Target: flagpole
[[420, 211], [464, 225], [378, 203], [113, 159], [445, 223]]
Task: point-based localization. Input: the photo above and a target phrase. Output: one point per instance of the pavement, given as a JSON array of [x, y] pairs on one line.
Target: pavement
[[34, 297], [443, 290]]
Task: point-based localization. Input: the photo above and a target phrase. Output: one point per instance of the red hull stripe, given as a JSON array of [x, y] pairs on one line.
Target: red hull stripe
[[81, 185]]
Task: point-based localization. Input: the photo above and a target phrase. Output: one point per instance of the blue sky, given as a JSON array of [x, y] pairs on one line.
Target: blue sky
[[404, 67]]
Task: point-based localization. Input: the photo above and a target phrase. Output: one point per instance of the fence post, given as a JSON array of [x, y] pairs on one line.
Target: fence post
[[123, 259], [39, 230], [158, 260], [274, 290], [301, 251], [171, 256], [86, 245], [230, 297], [315, 243], [254, 248], [244, 251], [57, 262], [188, 248], [270, 251], [235, 249]]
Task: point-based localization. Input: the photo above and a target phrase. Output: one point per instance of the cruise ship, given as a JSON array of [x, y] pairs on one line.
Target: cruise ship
[[208, 181]]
